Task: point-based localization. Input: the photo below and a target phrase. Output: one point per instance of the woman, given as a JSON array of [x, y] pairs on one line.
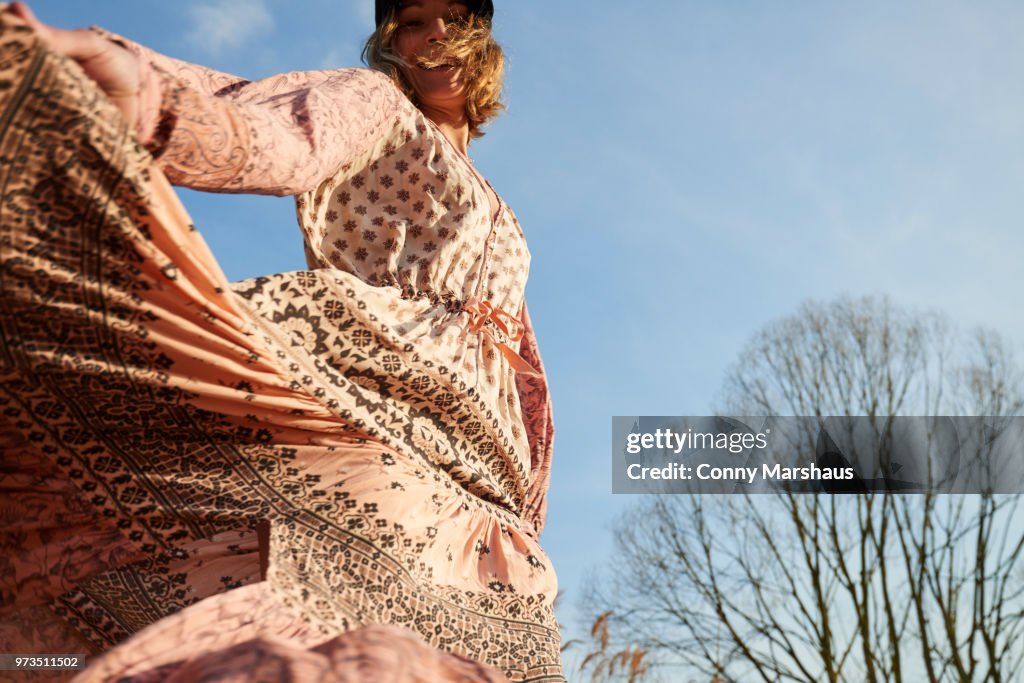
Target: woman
[[375, 431]]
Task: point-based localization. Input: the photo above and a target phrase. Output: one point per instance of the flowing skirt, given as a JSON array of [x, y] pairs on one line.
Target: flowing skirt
[[183, 472]]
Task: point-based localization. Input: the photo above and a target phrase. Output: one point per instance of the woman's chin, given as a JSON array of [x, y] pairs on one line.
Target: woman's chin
[[441, 85]]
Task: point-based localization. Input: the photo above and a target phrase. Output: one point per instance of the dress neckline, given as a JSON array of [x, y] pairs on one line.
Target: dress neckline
[[482, 182]]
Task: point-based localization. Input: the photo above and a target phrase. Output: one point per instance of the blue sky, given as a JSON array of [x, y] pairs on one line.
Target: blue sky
[[685, 173]]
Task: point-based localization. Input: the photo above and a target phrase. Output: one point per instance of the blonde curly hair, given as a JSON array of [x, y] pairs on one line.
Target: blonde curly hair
[[470, 44]]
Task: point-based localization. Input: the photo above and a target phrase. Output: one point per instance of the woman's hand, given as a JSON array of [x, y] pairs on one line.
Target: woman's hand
[[115, 69]]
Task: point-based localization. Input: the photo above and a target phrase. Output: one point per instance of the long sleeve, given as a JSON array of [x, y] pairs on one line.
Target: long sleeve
[[204, 79], [535, 402], [281, 135]]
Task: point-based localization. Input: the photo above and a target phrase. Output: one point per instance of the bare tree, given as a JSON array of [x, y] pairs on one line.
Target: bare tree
[[811, 587]]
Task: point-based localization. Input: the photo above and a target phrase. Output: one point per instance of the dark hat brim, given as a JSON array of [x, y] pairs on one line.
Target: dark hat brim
[[481, 8]]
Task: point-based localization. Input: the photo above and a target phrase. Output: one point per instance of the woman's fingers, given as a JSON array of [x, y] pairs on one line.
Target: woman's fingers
[[78, 44], [115, 69], [21, 10]]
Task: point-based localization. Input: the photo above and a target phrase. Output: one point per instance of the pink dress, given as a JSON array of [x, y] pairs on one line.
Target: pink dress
[[367, 442]]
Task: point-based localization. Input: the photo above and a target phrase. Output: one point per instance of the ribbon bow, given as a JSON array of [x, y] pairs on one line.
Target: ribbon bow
[[482, 311]]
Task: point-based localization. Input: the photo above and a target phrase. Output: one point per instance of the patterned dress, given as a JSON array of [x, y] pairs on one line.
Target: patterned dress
[[364, 442]]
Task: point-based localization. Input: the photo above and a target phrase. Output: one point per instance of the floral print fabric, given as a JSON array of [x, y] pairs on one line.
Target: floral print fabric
[[366, 415]]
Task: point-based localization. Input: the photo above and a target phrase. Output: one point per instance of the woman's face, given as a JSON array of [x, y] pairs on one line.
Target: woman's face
[[421, 24]]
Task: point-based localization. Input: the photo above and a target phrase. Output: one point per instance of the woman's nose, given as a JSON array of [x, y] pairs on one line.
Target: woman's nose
[[438, 30]]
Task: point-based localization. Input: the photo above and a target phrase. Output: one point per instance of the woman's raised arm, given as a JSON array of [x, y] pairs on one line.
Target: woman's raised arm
[[202, 78], [281, 135], [211, 131]]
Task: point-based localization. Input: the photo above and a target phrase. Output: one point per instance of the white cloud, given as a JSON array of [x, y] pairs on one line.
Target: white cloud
[[227, 24]]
